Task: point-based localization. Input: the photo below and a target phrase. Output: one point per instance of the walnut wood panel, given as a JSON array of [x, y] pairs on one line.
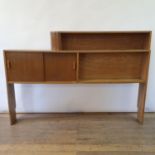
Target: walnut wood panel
[[60, 67], [98, 41], [24, 66], [94, 66]]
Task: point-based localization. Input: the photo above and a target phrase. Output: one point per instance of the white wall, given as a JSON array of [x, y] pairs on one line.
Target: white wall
[[25, 24]]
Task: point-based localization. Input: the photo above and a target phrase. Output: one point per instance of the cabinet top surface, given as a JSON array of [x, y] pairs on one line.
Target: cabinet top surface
[[147, 31], [76, 51]]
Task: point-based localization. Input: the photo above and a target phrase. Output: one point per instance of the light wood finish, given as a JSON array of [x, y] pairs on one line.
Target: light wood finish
[[101, 40], [78, 134], [78, 51], [111, 66], [76, 67], [11, 103], [83, 81], [113, 81], [60, 67], [84, 57], [27, 66], [50, 82], [56, 41], [114, 153], [142, 90], [10, 95]]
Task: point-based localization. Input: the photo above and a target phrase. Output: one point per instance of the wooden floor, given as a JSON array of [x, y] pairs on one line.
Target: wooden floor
[[77, 134]]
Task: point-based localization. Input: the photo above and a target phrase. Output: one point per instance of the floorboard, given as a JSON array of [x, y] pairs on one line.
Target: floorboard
[[77, 134]]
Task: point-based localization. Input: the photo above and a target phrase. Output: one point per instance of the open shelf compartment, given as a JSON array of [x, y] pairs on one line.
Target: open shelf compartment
[[112, 67], [101, 40]]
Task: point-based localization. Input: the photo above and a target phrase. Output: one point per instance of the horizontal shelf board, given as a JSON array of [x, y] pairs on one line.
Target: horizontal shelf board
[[80, 51], [134, 31], [113, 81], [113, 51], [42, 82], [82, 81]]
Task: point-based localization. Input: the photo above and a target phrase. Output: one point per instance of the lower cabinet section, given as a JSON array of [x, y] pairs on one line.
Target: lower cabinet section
[[76, 67], [40, 66], [60, 66]]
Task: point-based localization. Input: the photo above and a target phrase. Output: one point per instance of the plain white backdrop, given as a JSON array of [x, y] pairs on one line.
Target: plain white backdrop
[[26, 24]]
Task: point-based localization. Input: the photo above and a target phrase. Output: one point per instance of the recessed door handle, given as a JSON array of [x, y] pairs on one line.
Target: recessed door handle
[[74, 65]]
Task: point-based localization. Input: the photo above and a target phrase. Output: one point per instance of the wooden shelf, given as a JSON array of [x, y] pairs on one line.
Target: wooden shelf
[[82, 81], [111, 66], [55, 67], [102, 51], [113, 81], [100, 40], [97, 32], [108, 51], [82, 57], [80, 51], [42, 82]]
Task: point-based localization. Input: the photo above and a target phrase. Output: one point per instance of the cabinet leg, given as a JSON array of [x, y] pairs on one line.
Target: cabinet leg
[[11, 103], [141, 102]]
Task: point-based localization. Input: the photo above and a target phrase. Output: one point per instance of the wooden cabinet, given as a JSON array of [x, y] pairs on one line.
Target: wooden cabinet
[[24, 66], [109, 57], [77, 66], [60, 67], [83, 57]]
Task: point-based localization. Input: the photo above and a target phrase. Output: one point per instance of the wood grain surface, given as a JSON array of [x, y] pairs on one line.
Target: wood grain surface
[[77, 134], [99, 40]]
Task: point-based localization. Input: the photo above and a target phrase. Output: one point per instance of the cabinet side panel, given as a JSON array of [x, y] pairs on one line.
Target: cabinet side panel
[[55, 41], [148, 41]]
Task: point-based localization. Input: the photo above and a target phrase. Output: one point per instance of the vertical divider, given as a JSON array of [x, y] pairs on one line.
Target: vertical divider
[[145, 66], [56, 43], [148, 41], [77, 66], [44, 74]]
